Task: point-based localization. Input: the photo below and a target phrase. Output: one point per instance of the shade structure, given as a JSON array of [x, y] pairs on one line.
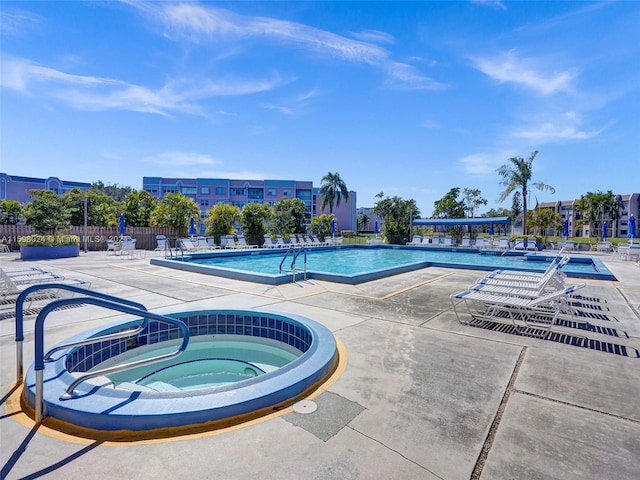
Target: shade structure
[[462, 221], [604, 229], [192, 227], [632, 226], [122, 225], [565, 230], [333, 227], [375, 228]]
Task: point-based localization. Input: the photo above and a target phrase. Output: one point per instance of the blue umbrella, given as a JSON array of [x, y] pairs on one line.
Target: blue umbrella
[[604, 230], [565, 232], [192, 227], [122, 224], [632, 226], [491, 231], [375, 229], [333, 227]]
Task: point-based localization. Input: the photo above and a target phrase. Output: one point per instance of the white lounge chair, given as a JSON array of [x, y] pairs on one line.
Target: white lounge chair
[[162, 243], [466, 242], [10, 290], [604, 247], [479, 242], [526, 315], [503, 243], [242, 243], [448, 242], [531, 245], [416, 240]]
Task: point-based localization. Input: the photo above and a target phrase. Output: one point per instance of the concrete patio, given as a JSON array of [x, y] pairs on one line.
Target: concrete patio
[[422, 397]]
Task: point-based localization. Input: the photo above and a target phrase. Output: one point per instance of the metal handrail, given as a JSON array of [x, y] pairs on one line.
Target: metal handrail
[[39, 344], [289, 250], [45, 286]]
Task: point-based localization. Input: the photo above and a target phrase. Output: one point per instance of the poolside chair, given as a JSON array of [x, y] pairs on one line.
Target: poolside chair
[[416, 240], [242, 243], [531, 245], [10, 289], [211, 243], [229, 242], [268, 243], [552, 280], [4, 248], [479, 242], [448, 242], [317, 241], [29, 276], [503, 243], [604, 247], [569, 246], [528, 316], [162, 243], [466, 242]]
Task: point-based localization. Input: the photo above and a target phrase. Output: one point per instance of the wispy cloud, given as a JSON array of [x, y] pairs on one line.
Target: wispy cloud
[[17, 22], [527, 72], [497, 4], [373, 36], [182, 159], [204, 23], [98, 93], [565, 127], [483, 163]]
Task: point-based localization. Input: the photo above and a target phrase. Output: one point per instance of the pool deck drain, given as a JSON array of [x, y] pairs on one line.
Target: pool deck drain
[[305, 407]]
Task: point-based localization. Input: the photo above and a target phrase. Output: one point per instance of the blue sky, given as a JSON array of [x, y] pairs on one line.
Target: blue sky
[[411, 99]]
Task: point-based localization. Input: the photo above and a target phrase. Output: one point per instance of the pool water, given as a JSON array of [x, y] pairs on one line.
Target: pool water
[[203, 364], [353, 261]]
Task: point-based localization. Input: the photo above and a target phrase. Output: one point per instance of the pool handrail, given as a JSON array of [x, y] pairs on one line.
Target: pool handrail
[[45, 286], [294, 252], [39, 344]]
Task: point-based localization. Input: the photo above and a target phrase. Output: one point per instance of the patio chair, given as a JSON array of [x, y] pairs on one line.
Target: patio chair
[[466, 242], [479, 242], [503, 243], [416, 240], [531, 245], [242, 243], [162, 243], [10, 290], [526, 315], [518, 245], [604, 247], [4, 248], [448, 242], [29, 276], [557, 263], [317, 241]]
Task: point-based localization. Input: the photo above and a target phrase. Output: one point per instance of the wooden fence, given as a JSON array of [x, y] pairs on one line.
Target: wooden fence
[[95, 238]]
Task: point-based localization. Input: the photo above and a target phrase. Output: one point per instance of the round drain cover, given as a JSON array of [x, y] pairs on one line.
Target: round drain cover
[[305, 406]]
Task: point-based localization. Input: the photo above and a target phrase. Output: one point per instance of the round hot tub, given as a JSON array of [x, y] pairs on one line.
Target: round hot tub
[[238, 364]]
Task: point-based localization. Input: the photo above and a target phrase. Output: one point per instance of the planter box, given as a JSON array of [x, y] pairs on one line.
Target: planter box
[[45, 253]]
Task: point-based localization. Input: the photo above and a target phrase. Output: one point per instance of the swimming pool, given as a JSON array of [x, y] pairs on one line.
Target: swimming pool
[[360, 263], [238, 364]]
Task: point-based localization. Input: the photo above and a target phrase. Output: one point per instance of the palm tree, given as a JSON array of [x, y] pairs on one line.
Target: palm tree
[[517, 176], [332, 189]]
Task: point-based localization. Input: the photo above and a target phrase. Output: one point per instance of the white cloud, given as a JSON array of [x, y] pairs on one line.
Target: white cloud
[[181, 159], [97, 94], [375, 36], [201, 24], [17, 22], [527, 72], [565, 127], [484, 163], [491, 3]]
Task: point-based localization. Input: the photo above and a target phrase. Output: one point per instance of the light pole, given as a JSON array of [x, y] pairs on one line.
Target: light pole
[[84, 200]]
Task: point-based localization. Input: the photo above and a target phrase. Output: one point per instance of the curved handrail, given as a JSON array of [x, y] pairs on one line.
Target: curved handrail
[[61, 286], [289, 250], [39, 343]]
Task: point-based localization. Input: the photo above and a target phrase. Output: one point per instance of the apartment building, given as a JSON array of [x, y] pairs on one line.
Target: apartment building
[[14, 187], [207, 192], [629, 205]]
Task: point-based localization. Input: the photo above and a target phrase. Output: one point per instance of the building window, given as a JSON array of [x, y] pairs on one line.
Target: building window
[[272, 192], [204, 203], [286, 193], [189, 190], [168, 189], [237, 191], [204, 190], [221, 191]]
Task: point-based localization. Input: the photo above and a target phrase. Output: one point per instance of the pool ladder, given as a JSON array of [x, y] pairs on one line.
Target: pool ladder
[[295, 253], [90, 298]]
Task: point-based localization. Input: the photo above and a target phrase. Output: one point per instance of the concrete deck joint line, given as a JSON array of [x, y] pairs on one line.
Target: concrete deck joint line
[[482, 458], [580, 407], [395, 451], [631, 305]]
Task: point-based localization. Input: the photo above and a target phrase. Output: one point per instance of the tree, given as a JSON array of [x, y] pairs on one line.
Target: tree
[[138, 208], [102, 210], [544, 219], [321, 224], [597, 208], [332, 189], [396, 215], [175, 211], [518, 175], [288, 216], [449, 206], [472, 200], [221, 219], [254, 218], [118, 192], [498, 212], [516, 206], [363, 221], [48, 213], [10, 212]]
